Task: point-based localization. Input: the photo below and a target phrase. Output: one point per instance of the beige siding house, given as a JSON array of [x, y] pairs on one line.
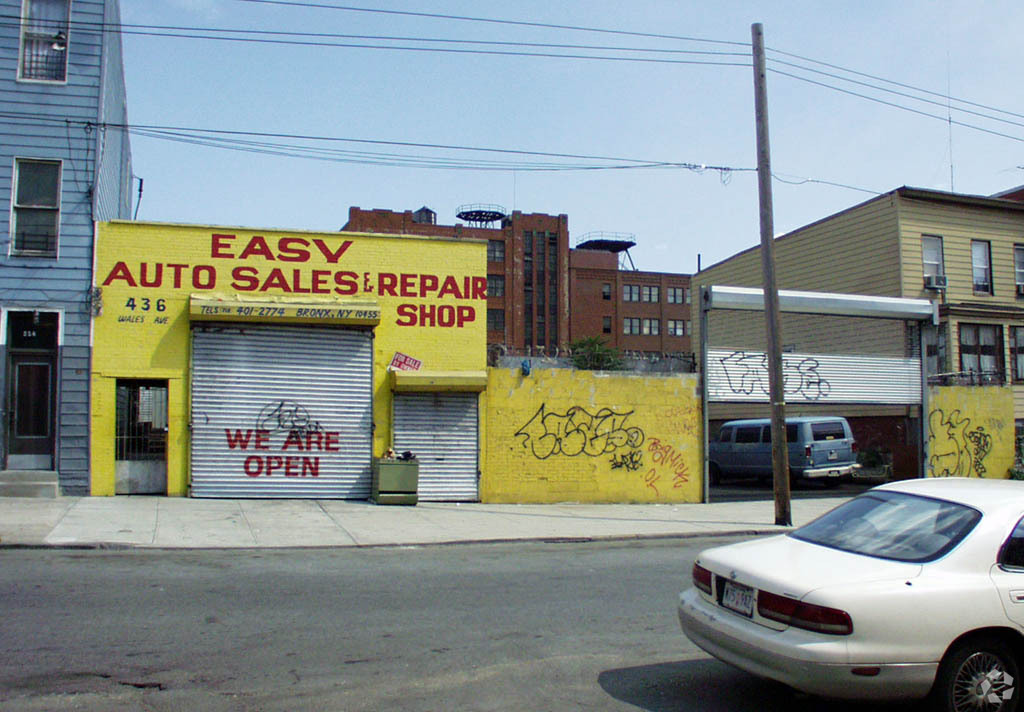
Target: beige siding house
[[964, 252]]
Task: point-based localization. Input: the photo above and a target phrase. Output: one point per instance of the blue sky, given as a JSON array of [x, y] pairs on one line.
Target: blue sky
[[662, 112]]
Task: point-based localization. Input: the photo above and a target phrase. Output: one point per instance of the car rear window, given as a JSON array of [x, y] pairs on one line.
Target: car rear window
[[828, 431], [893, 525]]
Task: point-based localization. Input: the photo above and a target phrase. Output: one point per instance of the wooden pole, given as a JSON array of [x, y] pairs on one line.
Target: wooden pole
[[780, 452]]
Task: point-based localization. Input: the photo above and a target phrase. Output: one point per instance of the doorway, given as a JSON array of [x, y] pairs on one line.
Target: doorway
[[141, 439], [32, 391]]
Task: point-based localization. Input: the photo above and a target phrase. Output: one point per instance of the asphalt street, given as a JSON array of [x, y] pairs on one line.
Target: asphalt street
[[529, 626]]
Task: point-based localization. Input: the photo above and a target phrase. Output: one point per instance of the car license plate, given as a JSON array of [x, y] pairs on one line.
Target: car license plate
[[739, 598], [833, 455]]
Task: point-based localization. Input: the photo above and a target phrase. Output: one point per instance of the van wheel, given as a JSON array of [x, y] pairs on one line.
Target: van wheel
[[714, 474], [978, 674]]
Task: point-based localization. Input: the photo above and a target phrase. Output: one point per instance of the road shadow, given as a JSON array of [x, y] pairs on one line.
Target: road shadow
[[708, 685]]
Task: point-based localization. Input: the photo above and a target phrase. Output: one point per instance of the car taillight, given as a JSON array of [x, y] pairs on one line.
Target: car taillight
[[702, 578], [808, 616], [853, 445]]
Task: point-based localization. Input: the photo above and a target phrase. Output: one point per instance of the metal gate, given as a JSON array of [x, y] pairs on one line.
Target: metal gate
[[440, 429], [281, 411], [140, 442]]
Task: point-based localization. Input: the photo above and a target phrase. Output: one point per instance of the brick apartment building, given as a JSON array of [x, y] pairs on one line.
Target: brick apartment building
[[631, 310], [542, 295]]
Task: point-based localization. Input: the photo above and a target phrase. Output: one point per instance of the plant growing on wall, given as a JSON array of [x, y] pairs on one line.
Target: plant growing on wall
[[593, 354]]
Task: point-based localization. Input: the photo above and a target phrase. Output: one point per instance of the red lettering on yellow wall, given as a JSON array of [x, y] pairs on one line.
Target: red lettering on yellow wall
[[428, 284], [332, 256], [257, 246], [204, 277], [443, 315], [450, 286], [386, 284], [480, 288], [147, 281], [219, 246], [177, 273], [245, 279], [348, 283], [120, 271], [292, 254]]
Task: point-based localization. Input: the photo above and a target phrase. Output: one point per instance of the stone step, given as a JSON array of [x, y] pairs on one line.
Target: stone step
[[29, 483]]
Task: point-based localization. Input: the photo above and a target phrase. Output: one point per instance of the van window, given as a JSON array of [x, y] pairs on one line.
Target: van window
[[766, 436], [832, 430], [748, 434], [725, 435]]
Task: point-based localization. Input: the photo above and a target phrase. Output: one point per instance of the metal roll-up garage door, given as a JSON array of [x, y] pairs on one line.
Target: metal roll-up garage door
[[281, 411], [440, 429]]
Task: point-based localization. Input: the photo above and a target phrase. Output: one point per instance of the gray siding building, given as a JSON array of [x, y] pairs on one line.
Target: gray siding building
[[65, 162]]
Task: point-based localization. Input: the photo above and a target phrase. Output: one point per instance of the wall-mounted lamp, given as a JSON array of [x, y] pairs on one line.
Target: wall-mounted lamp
[[60, 42]]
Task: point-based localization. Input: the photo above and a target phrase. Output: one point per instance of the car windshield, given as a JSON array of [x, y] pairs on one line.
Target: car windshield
[[892, 525]]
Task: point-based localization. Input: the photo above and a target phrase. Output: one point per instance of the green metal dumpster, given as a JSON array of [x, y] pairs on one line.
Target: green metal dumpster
[[395, 481]]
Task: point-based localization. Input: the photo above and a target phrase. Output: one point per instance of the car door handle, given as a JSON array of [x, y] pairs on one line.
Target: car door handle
[[1017, 596]]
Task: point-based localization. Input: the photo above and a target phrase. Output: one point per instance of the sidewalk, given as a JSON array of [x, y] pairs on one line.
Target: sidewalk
[[174, 523]]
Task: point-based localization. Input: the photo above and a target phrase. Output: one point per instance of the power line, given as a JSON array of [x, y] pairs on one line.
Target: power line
[[905, 95], [944, 119], [172, 30], [521, 23], [895, 83]]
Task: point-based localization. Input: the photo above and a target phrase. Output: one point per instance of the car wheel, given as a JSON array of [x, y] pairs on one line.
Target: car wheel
[[714, 474], [980, 675]]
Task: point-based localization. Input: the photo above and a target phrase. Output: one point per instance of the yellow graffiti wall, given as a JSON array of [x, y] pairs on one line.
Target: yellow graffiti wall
[[970, 431], [428, 293], [560, 435]]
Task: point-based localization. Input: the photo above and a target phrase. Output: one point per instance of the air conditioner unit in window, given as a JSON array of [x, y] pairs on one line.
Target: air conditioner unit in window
[[935, 281]]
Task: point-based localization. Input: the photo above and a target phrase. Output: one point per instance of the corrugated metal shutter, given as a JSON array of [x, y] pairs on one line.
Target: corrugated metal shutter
[[742, 376], [281, 411], [440, 429]]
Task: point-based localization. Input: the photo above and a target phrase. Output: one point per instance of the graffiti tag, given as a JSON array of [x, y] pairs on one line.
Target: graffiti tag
[[630, 461], [667, 456], [578, 432], [748, 372], [286, 416], [956, 450]]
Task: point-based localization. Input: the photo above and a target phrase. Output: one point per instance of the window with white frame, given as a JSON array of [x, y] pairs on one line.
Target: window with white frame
[[1018, 268], [652, 327], [606, 291], [606, 325], [675, 295], [631, 325], [676, 327], [981, 266], [36, 215], [650, 294], [931, 256], [631, 292], [44, 40]]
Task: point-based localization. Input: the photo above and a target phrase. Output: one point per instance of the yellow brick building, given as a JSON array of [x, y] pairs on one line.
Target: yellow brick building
[[279, 363]]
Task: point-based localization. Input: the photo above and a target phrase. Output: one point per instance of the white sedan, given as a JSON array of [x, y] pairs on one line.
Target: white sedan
[[913, 588]]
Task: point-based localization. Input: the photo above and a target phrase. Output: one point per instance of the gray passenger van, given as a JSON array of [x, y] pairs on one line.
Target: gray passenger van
[[820, 448]]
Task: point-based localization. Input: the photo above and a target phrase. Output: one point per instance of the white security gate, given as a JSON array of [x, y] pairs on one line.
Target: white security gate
[[281, 411], [440, 429]]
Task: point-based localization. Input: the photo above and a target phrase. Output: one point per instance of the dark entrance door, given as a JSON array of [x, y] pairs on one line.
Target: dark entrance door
[[32, 392]]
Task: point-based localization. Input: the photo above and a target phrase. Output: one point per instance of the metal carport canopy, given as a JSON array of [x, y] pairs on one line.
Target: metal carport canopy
[[752, 299]]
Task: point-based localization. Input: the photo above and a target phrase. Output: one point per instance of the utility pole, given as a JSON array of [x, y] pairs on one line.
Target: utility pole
[[780, 452]]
